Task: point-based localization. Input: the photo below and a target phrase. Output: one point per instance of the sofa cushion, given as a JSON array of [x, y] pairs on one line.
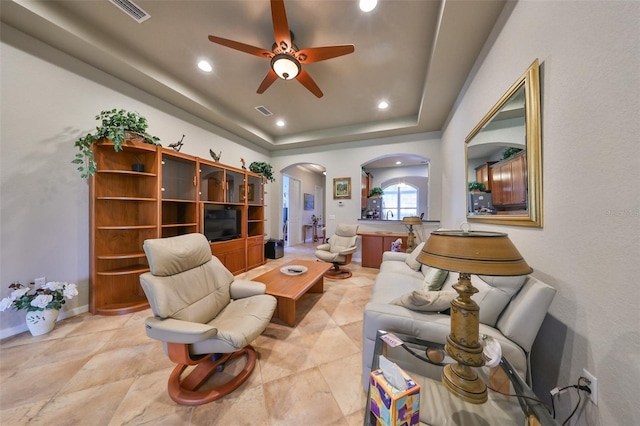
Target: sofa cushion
[[400, 269], [433, 278], [509, 285], [491, 300], [429, 301], [412, 260]]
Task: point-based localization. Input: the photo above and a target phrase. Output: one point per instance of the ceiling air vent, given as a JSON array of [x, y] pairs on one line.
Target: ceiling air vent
[[264, 111], [132, 9]]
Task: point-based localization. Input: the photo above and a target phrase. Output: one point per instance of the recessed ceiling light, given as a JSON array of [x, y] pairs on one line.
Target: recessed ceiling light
[[205, 66], [398, 162], [383, 105], [368, 5], [280, 123]]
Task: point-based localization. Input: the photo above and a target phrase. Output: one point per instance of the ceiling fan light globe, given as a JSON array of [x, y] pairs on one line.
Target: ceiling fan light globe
[[285, 66], [368, 5]]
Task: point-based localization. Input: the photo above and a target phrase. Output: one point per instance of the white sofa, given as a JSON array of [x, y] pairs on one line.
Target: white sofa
[[511, 310]]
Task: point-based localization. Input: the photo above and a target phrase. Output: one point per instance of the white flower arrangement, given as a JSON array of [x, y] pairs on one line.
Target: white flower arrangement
[[50, 296]]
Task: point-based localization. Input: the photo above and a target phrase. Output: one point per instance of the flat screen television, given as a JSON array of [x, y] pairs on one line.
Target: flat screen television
[[221, 224]]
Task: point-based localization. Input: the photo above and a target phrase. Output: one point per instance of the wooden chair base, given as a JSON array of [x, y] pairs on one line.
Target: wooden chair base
[[338, 274], [185, 391]]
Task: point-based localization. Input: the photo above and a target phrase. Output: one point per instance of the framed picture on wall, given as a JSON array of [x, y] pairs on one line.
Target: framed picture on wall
[[342, 188], [308, 202]]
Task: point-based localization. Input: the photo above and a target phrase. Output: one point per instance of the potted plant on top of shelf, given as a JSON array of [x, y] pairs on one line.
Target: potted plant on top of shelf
[[263, 169], [118, 125], [376, 192], [476, 186], [510, 152]]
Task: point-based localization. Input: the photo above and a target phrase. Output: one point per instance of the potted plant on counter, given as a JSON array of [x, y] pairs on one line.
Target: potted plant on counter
[[118, 125]]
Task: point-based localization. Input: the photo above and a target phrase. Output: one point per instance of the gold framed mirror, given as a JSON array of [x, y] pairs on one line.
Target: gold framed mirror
[[503, 153]]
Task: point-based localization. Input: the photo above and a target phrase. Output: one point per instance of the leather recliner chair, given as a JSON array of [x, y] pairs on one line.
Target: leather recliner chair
[[338, 250], [202, 315]]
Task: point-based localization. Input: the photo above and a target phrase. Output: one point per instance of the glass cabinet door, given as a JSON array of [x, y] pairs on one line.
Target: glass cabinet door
[[178, 178], [212, 183], [254, 189], [235, 187]]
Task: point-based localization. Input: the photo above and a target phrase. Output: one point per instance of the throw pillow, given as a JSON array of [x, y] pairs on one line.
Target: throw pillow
[[412, 259], [433, 278], [426, 301]]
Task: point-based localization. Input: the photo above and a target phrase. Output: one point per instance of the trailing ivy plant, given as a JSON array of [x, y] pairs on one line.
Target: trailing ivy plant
[[263, 169], [114, 124]]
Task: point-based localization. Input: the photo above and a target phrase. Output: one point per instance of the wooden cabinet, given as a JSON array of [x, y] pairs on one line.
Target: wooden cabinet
[[374, 244], [483, 175], [231, 254], [255, 252], [165, 200], [366, 183], [124, 212], [509, 189], [229, 188]]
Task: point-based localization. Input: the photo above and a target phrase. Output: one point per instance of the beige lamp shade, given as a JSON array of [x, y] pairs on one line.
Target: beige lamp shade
[[473, 252]]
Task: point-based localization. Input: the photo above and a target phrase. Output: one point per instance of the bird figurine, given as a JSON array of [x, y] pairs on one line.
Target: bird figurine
[[216, 157], [176, 146], [243, 163]]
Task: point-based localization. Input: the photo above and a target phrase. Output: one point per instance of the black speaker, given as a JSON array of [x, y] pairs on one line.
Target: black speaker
[[274, 249]]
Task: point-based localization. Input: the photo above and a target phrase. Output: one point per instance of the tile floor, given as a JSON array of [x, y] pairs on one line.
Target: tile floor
[[96, 370]]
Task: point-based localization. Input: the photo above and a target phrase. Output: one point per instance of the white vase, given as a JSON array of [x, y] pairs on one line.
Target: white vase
[[41, 322]]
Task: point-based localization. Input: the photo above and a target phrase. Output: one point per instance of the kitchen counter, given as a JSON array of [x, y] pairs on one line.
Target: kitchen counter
[[374, 243]]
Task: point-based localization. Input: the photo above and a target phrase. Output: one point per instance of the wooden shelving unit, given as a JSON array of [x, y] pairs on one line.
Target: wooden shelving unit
[[124, 212], [167, 199]]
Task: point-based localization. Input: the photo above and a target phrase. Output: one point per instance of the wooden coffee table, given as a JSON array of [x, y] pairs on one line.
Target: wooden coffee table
[[289, 288]]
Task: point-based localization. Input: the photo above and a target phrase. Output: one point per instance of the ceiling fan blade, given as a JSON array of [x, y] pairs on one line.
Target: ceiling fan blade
[[268, 81], [280, 25], [305, 79], [317, 54], [257, 51]]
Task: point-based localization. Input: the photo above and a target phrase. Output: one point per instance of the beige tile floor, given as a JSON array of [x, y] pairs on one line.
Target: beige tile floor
[[96, 370]]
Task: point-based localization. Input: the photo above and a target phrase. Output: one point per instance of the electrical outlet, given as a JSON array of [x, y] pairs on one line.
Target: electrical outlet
[[40, 282], [593, 385]]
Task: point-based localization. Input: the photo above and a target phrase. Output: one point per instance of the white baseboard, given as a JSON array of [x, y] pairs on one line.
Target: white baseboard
[[8, 332]]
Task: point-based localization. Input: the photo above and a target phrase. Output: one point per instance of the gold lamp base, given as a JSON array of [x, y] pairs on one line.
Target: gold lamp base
[[463, 345], [463, 382]]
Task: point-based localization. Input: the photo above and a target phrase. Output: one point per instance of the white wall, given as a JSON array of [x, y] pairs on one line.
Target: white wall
[[590, 244], [344, 160], [48, 100]]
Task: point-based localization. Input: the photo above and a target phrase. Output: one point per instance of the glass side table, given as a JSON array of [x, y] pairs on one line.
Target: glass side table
[[439, 407]]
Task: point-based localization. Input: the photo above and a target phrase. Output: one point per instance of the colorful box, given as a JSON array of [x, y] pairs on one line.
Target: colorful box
[[390, 406]]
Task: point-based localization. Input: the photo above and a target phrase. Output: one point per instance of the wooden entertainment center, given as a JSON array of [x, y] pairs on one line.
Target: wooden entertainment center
[[166, 199]]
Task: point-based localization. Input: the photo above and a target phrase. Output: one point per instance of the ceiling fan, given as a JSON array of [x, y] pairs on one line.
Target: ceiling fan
[[286, 58]]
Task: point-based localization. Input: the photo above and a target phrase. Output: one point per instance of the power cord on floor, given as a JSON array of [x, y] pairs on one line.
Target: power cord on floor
[[578, 387]]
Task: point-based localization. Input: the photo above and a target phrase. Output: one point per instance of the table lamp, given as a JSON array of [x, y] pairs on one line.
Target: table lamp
[[469, 252], [409, 221]]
